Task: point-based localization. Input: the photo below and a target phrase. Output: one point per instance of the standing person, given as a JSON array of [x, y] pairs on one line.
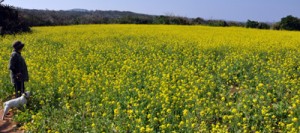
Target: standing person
[[18, 69]]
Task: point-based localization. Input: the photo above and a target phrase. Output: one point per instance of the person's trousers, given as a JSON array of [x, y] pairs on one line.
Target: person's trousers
[[19, 88]]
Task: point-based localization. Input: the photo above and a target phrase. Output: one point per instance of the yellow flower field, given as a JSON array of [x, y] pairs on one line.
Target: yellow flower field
[[158, 78]]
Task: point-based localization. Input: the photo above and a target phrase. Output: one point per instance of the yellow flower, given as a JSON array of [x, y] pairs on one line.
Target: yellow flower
[[185, 112], [234, 110], [209, 93], [139, 120], [149, 116], [294, 105], [223, 98], [33, 116], [163, 127], [129, 112], [148, 129], [254, 100], [169, 110], [202, 113], [68, 106], [104, 114], [181, 124], [295, 119], [42, 102], [148, 73], [116, 112], [193, 125], [142, 129]]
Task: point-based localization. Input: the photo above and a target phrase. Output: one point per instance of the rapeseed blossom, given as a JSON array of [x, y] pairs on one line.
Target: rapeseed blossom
[[155, 78]]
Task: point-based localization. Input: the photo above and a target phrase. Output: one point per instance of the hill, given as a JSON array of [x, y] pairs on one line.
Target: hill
[[81, 16], [79, 10], [34, 17]]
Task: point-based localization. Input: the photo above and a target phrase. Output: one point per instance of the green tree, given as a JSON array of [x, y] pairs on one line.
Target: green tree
[[252, 24], [290, 23], [198, 20], [220, 23], [276, 26], [162, 20], [10, 23], [263, 26]]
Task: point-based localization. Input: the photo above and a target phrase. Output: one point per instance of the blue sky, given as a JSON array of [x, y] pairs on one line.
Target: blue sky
[[236, 10]]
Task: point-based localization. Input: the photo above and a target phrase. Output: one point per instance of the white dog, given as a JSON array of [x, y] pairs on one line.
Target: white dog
[[15, 102]]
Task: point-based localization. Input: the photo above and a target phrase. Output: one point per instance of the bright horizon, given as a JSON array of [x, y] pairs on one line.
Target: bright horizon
[[230, 10]]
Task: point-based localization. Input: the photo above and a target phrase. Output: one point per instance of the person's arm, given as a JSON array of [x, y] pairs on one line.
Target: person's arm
[[13, 64]]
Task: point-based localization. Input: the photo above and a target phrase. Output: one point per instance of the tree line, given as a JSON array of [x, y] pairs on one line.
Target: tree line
[[72, 17], [287, 23], [15, 20], [10, 21]]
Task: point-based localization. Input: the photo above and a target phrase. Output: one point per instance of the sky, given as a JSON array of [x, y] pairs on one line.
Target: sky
[[230, 10]]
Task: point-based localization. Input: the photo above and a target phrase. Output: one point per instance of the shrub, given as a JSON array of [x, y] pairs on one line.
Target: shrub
[[10, 23], [290, 23]]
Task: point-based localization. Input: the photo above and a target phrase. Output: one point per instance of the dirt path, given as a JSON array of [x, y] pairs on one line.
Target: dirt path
[[7, 125]]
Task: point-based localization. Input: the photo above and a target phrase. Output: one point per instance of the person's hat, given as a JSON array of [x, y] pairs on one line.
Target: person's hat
[[18, 45]]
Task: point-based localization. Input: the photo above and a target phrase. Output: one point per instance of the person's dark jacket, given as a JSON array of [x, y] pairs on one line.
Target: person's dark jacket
[[18, 68]]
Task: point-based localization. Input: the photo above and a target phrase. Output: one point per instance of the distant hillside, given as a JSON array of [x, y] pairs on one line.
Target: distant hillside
[[79, 10], [81, 16]]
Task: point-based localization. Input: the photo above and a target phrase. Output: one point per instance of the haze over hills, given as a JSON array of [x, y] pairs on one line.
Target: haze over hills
[[110, 12], [36, 17], [79, 10]]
